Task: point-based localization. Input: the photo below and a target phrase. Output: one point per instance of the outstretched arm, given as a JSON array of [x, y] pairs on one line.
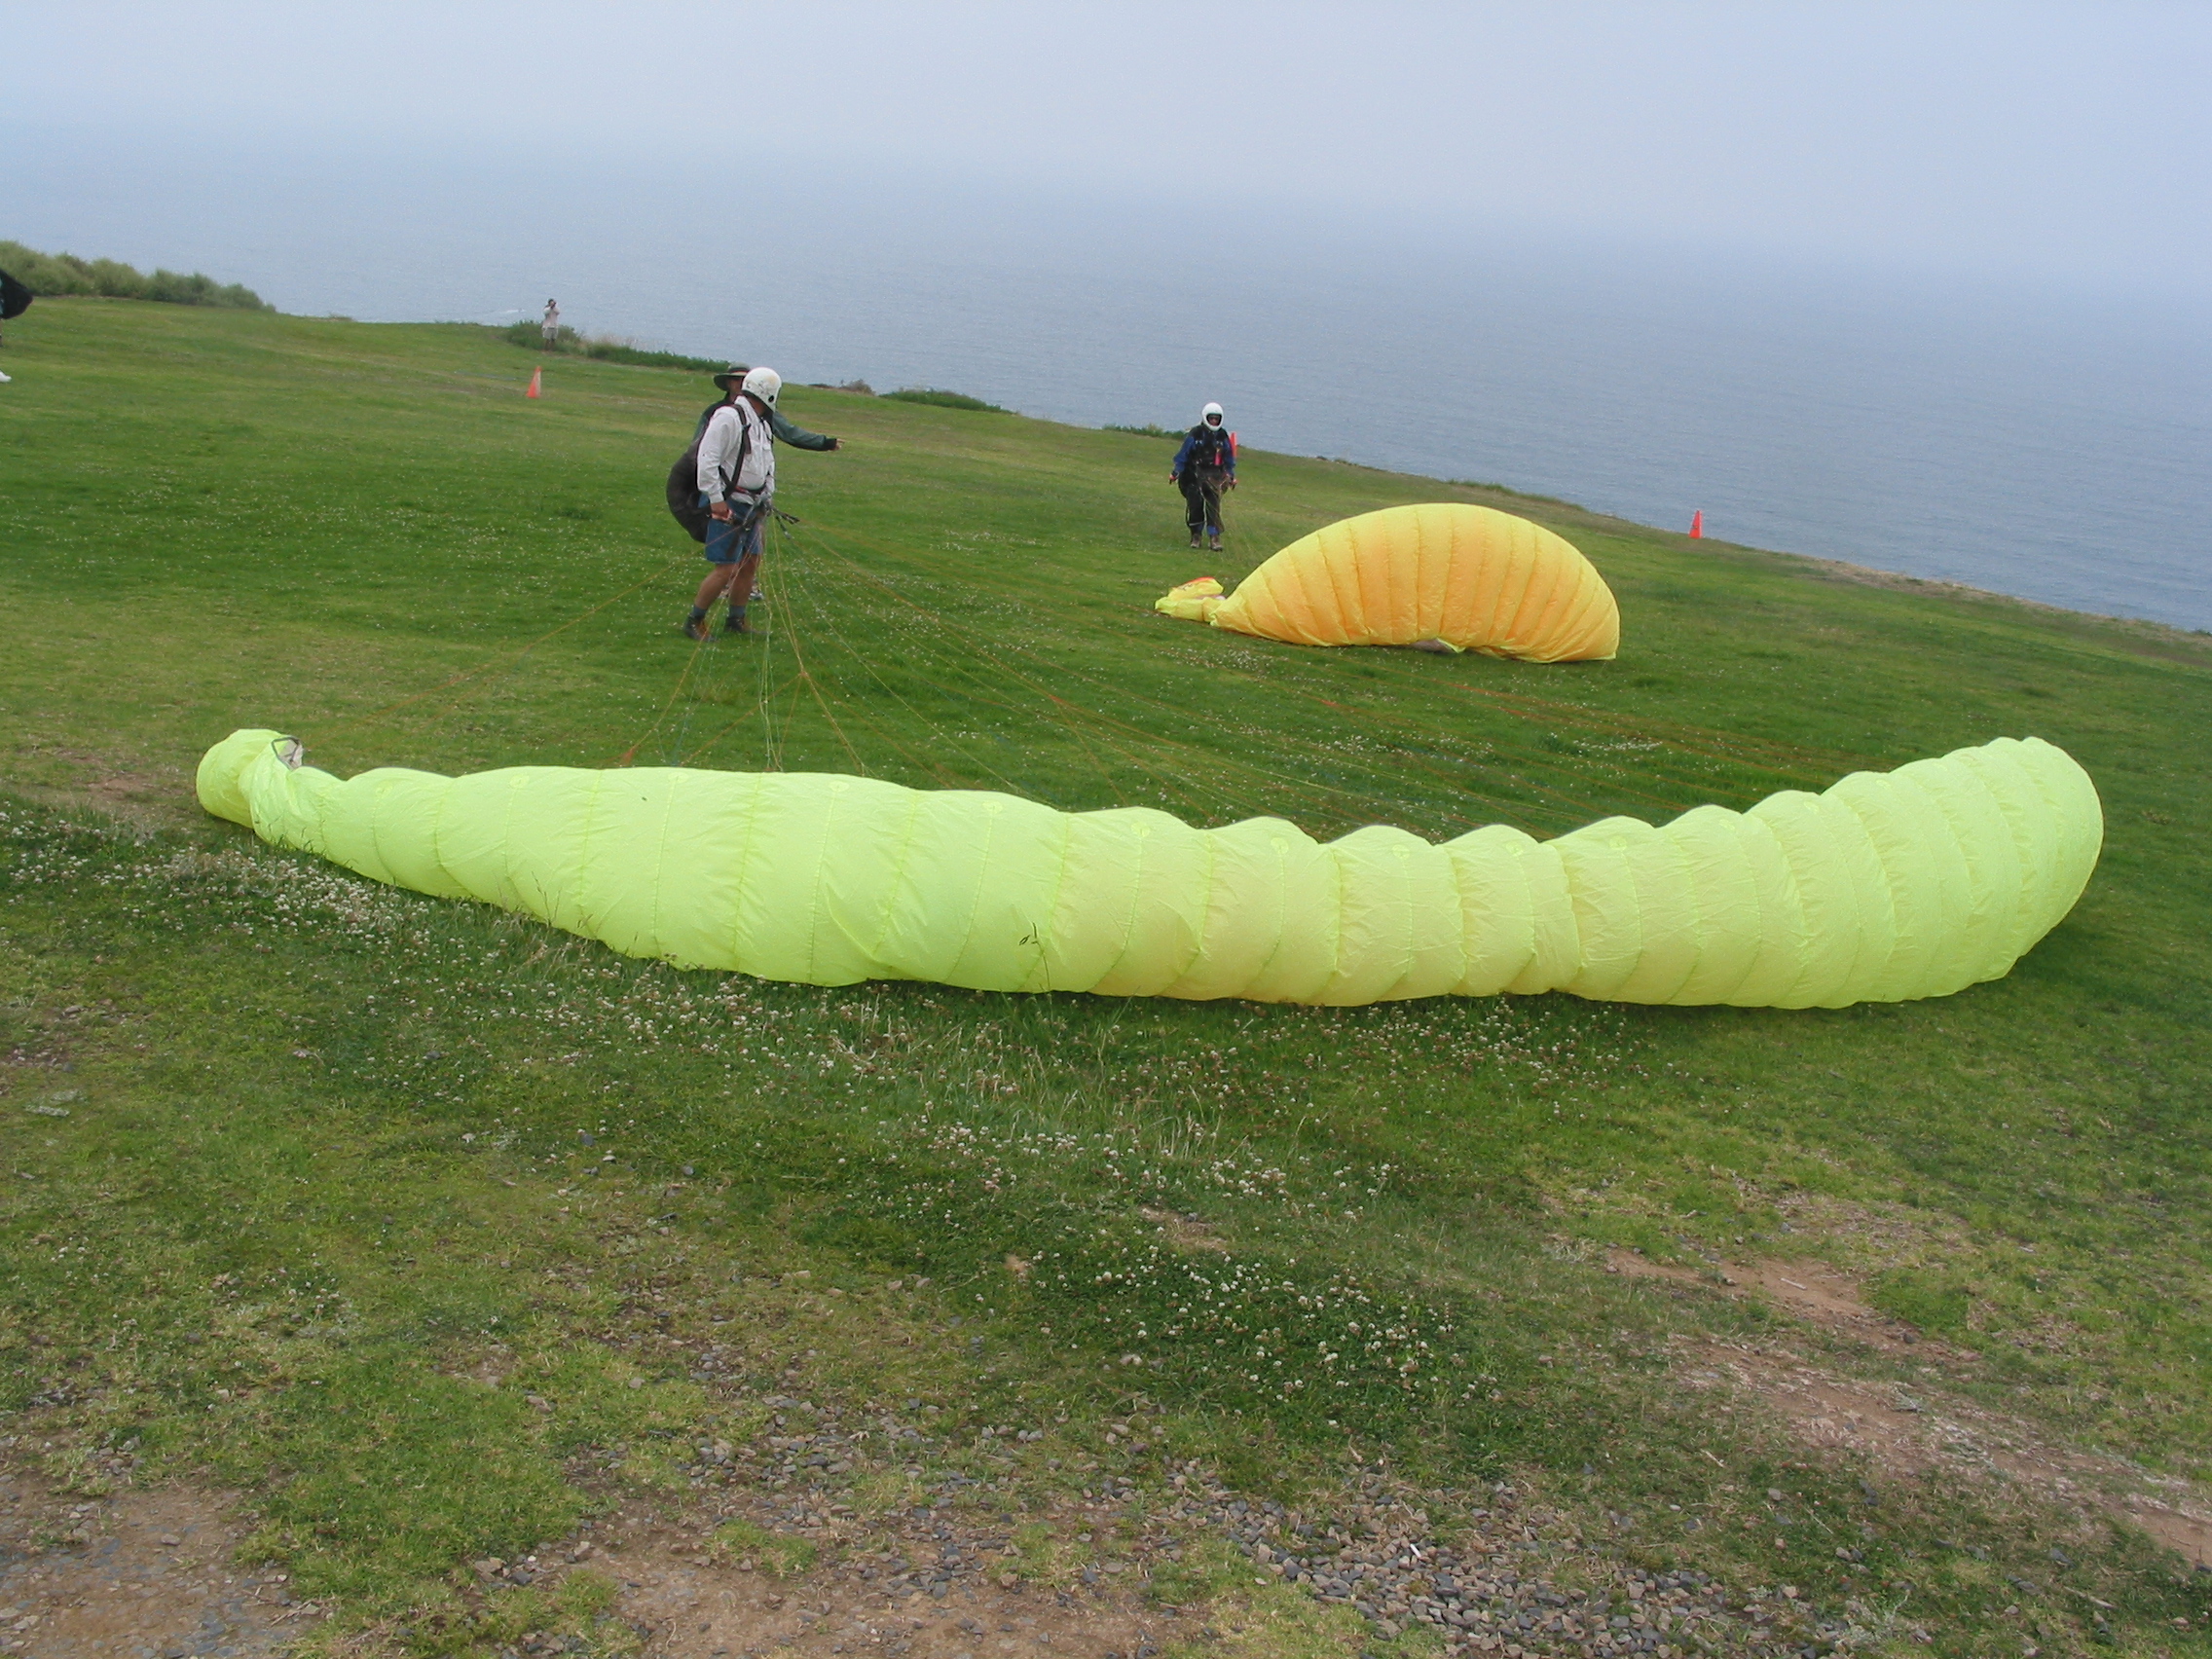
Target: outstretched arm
[[797, 437]]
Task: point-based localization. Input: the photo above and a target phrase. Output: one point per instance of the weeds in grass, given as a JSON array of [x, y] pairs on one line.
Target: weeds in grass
[[777, 1553]]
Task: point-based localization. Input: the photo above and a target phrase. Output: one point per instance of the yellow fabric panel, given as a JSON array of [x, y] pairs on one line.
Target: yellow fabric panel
[[1159, 928], [1088, 926], [1496, 908], [1783, 943], [1556, 956], [1476, 578], [1911, 883], [1725, 932], [1600, 885], [1263, 888], [1838, 901], [1924, 876], [1398, 930], [1192, 601], [2031, 830]]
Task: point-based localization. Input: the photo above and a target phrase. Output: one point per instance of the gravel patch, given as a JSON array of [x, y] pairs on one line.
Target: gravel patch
[[1502, 1586], [136, 1575]]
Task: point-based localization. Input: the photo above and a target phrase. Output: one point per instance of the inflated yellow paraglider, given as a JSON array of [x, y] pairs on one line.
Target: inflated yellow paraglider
[[1472, 577], [1887, 886]]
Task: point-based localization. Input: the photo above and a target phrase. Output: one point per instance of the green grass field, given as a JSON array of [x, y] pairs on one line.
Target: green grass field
[[310, 1183]]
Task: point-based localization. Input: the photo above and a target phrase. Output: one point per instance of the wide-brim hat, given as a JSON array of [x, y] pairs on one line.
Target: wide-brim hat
[[735, 372]]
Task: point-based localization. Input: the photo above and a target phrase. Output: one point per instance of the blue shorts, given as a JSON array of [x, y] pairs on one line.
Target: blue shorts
[[729, 540]]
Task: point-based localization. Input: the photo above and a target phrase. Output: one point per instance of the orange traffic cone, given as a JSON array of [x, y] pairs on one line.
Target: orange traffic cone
[[1697, 519], [539, 375]]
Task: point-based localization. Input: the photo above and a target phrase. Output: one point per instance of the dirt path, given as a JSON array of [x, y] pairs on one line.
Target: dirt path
[[139, 1575], [750, 1574], [928, 1587], [1908, 1429]]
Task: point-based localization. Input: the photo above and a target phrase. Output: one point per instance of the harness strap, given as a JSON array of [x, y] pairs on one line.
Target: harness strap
[[743, 449]]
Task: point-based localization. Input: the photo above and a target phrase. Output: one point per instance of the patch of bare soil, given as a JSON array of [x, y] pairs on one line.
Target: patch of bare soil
[[82, 778], [1911, 1430], [698, 1609], [151, 1575], [139, 1576], [927, 1585], [1814, 1291], [1184, 1231]]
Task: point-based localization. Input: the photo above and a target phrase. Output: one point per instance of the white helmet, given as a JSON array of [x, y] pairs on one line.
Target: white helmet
[[762, 384], [1211, 411]]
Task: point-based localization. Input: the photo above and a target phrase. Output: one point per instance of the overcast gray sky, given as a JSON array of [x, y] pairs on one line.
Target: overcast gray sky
[[2071, 144]]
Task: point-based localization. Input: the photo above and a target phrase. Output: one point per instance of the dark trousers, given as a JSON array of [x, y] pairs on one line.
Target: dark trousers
[[1202, 498]]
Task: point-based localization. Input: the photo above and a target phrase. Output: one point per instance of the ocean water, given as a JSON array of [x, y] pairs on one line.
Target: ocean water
[[2054, 446]]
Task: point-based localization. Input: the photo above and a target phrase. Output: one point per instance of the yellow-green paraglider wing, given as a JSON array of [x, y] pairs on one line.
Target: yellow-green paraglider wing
[[1887, 886], [1475, 578]]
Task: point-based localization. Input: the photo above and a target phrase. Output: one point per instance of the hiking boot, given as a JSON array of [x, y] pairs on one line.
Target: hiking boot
[[1194, 538], [696, 630], [737, 624], [1212, 547]]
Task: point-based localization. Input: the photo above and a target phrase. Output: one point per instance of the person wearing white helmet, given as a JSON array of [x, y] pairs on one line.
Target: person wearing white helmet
[[1203, 468], [737, 487]]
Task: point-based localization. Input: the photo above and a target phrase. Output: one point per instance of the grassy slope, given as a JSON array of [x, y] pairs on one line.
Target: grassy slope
[[218, 519]]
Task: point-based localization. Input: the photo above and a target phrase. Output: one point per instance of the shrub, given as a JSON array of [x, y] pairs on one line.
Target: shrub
[[944, 399], [1517, 495], [530, 333], [1146, 431], [525, 332], [111, 278], [622, 351]]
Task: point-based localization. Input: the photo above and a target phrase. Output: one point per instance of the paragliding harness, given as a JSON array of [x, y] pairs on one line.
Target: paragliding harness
[[683, 483], [14, 298], [1209, 447]]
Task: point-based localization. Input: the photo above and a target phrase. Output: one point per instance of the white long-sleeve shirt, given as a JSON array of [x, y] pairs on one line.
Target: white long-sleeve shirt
[[718, 445]]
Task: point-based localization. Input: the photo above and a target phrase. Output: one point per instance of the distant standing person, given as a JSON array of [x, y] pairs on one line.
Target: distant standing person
[[1204, 467], [551, 326]]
